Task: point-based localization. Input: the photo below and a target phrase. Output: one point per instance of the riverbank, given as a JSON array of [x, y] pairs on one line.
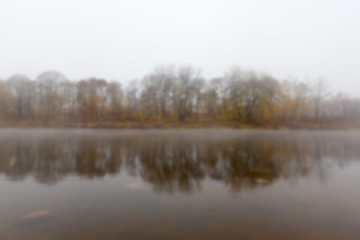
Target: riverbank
[[185, 125]]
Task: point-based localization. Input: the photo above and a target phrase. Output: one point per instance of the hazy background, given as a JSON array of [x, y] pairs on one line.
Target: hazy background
[[123, 40]]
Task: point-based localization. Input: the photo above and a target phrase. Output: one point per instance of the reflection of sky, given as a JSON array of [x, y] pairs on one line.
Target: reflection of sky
[[123, 205]]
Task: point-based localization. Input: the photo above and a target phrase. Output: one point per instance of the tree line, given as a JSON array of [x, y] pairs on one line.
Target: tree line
[[174, 95]]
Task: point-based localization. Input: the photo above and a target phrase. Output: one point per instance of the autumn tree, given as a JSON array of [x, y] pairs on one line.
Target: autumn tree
[[260, 93], [173, 94], [6, 100], [91, 99]]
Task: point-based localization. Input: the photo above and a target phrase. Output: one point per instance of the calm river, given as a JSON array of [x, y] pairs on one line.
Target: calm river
[[179, 184]]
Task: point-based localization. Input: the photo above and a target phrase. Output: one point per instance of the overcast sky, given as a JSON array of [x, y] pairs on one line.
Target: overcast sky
[[124, 40]]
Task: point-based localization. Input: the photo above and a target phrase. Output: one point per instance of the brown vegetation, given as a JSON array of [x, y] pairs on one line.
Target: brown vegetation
[[170, 97]]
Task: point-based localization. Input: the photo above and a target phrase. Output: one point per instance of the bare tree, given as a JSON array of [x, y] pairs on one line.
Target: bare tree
[[23, 91], [115, 98], [320, 92], [48, 93], [185, 90]]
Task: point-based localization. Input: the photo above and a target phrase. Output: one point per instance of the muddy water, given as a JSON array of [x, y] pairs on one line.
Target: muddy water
[[179, 184]]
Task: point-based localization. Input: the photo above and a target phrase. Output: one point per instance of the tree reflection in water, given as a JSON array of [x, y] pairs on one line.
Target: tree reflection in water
[[178, 162]]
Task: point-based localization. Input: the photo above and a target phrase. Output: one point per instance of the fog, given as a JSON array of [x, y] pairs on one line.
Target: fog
[[122, 41]]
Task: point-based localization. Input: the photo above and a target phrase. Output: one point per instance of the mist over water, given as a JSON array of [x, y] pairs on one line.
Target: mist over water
[[175, 160], [177, 120], [161, 184]]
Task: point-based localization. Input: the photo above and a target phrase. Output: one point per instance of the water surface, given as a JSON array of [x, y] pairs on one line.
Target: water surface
[[179, 184]]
